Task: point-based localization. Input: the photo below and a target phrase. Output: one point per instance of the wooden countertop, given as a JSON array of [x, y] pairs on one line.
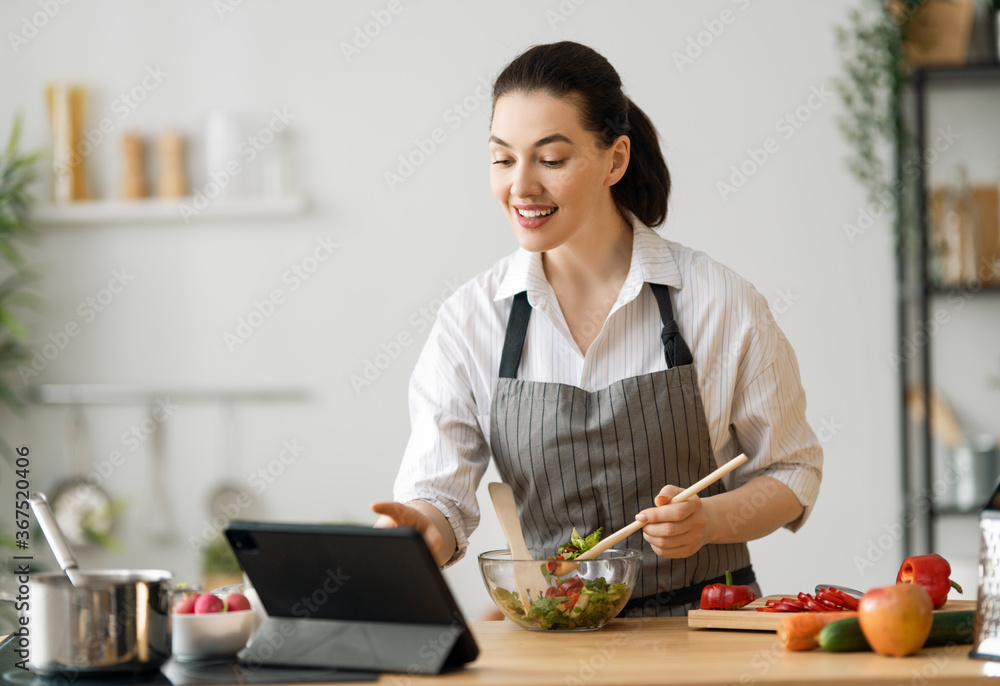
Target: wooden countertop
[[666, 651]]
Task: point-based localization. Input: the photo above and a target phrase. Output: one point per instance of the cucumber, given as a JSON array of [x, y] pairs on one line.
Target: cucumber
[[949, 628]]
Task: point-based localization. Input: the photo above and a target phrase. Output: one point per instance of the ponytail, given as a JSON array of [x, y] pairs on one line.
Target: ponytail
[[575, 71], [645, 187]]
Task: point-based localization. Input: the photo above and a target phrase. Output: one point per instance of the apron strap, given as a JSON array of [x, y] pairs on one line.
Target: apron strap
[[513, 342], [674, 348]]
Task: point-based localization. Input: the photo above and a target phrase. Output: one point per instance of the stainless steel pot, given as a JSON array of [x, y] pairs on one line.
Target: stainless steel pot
[[97, 622], [113, 621]]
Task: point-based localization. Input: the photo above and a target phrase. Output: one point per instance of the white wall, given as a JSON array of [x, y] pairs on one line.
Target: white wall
[[401, 249]]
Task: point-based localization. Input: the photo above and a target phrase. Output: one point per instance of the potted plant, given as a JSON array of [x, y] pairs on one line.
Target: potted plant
[[872, 44], [219, 566], [17, 174]]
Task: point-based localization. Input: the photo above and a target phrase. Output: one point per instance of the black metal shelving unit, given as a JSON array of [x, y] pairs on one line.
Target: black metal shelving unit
[[915, 297]]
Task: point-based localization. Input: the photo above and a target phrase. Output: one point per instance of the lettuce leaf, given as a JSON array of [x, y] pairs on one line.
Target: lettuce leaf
[[579, 544]]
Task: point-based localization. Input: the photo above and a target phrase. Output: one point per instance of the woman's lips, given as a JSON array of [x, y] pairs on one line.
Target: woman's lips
[[533, 222]]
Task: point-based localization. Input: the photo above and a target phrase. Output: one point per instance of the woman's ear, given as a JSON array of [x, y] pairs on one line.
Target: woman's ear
[[620, 151]]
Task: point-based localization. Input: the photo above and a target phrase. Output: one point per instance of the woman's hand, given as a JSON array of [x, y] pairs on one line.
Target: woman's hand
[[423, 517], [675, 531]]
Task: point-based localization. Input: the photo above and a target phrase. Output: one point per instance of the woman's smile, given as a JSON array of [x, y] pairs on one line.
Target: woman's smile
[[533, 216]]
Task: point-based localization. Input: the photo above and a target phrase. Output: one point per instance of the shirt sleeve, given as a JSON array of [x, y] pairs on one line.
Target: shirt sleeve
[[447, 454], [769, 413]]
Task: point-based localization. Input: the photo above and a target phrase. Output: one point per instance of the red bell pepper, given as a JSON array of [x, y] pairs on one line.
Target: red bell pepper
[[726, 596], [931, 572]]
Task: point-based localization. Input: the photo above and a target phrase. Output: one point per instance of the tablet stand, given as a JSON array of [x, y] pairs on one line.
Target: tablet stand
[[342, 644]]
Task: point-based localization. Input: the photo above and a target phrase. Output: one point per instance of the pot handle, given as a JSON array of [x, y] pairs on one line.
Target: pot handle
[[53, 534]]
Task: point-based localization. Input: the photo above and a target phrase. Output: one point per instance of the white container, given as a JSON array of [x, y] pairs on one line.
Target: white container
[[222, 140], [211, 636]]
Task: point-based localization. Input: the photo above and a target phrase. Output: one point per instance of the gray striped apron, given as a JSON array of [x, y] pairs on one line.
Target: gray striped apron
[[576, 458]]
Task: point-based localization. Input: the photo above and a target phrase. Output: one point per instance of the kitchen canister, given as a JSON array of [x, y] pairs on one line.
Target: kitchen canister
[[976, 464], [222, 154], [171, 181], [133, 181], [67, 104]]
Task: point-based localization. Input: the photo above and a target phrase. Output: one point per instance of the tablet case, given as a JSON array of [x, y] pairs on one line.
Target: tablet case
[[349, 597]]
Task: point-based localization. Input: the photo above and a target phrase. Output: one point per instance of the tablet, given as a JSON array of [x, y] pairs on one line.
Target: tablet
[[350, 596]]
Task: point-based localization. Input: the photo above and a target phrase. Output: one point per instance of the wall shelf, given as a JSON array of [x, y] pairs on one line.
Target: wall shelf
[[161, 211], [120, 394]]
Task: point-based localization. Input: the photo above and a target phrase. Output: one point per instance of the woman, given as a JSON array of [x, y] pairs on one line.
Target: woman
[[566, 364]]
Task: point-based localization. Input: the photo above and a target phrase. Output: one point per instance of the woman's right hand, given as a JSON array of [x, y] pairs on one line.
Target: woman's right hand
[[417, 515]]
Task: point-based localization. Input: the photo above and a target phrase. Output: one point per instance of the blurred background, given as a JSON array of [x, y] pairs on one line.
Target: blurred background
[[247, 214]]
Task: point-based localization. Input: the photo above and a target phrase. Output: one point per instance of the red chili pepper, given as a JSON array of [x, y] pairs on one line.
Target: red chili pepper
[[830, 596], [813, 606], [931, 572], [726, 596], [846, 601]]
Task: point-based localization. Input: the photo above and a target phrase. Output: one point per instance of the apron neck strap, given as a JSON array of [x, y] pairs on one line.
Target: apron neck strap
[[675, 349], [513, 342]]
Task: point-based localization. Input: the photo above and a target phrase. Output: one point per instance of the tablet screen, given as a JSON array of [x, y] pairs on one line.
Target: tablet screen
[[343, 572]]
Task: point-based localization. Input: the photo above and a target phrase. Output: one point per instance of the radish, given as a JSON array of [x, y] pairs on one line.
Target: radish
[[237, 601], [208, 603]]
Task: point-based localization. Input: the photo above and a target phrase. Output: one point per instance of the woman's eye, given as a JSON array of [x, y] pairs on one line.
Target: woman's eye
[[552, 163], [502, 163]]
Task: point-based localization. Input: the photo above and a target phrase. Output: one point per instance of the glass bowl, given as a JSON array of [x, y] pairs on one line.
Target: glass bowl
[[584, 599]]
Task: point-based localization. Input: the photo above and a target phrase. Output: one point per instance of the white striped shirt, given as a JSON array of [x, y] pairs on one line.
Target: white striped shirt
[[747, 372]]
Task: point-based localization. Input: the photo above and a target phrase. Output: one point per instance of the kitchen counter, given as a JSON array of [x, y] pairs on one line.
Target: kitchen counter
[[666, 651]]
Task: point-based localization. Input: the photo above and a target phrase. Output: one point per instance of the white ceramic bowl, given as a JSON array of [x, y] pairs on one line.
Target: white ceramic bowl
[[211, 636]]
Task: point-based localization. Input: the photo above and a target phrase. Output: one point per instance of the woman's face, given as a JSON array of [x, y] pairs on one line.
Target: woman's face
[[548, 172]]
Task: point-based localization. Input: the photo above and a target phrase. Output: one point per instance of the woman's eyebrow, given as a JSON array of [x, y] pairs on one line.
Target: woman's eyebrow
[[554, 138]]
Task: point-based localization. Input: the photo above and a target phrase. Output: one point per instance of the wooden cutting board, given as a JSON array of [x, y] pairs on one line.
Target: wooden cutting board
[[748, 619]]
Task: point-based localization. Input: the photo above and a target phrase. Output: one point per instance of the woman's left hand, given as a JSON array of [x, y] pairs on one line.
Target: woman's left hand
[[675, 530]]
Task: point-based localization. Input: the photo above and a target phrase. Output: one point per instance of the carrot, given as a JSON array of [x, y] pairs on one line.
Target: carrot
[[800, 631]]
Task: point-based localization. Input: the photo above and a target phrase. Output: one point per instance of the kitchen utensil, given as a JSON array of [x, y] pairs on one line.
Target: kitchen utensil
[[749, 619], [113, 621], [53, 534], [986, 645], [626, 531], [159, 520], [82, 508], [843, 589], [615, 566], [528, 579], [229, 497]]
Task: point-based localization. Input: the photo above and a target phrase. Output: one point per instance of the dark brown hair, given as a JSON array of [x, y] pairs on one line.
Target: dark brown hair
[[575, 71]]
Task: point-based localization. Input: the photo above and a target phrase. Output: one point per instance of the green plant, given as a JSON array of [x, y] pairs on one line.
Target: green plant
[[872, 91], [17, 174], [217, 557]]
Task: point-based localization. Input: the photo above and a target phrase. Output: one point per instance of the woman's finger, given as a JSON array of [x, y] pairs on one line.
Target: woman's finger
[[674, 512], [397, 513]]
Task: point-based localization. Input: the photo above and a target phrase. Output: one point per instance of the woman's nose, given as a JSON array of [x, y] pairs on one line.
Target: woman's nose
[[525, 184]]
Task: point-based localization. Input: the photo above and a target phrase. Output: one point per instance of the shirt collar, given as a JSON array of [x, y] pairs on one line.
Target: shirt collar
[[652, 261]]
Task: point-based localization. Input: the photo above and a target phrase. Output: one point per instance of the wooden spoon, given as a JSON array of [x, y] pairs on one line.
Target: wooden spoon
[[626, 531], [527, 577]]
